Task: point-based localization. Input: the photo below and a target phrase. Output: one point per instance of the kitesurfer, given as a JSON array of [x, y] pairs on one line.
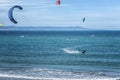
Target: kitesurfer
[[84, 51]]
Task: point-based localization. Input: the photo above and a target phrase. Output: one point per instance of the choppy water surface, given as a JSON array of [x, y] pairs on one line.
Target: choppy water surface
[[58, 54]]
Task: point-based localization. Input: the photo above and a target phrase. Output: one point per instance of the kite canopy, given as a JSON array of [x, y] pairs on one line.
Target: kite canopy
[[0, 25], [83, 20], [58, 2], [10, 14]]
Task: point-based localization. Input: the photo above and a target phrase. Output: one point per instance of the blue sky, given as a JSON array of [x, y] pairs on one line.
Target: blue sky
[[99, 14]]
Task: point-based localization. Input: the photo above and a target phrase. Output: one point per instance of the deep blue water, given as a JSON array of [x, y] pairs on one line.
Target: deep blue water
[[58, 54]]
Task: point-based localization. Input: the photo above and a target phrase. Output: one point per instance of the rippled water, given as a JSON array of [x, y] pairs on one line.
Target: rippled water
[[58, 54]]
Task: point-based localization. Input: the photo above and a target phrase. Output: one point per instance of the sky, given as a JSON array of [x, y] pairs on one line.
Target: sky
[[99, 14]]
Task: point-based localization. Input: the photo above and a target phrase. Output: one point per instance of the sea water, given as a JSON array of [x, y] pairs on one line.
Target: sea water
[[58, 54]]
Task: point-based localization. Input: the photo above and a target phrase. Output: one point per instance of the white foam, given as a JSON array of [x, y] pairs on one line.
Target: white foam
[[40, 78], [71, 51], [51, 74]]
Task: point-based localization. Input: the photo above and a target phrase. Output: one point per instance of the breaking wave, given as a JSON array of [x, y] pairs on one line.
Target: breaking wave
[[50, 74]]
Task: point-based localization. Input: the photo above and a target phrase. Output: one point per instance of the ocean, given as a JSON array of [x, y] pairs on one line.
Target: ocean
[[58, 55]]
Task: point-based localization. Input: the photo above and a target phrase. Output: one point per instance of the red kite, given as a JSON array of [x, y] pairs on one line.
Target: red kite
[[58, 2]]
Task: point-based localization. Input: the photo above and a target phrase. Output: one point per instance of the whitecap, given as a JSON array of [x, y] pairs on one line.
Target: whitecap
[[92, 35], [22, 36]]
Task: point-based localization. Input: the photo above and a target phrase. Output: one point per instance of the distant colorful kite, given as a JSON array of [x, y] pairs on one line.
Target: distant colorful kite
[[10, 14], [58, 2], [0, 25]]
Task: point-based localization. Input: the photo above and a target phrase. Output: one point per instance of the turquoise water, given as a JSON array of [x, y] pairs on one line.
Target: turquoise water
[[58, 54]]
